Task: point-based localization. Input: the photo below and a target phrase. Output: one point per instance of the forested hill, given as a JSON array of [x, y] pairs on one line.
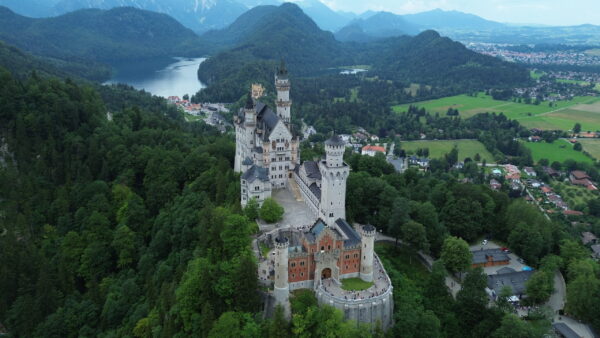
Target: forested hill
[[120, 224], [22, 64], [434, 60], [271, 33], [258, 39], [99, 35]]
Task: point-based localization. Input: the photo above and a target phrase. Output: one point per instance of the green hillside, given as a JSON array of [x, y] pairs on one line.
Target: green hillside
[[98, 35]]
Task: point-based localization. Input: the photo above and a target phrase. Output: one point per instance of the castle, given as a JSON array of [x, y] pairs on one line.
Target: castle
[[321, 255], [266, 152]]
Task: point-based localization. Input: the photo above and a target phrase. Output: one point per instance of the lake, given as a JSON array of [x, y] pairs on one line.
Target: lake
[[163, 77]]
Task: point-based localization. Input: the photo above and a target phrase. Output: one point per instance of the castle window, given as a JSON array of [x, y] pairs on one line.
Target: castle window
[[329, 247], [347, 256], [322, 248], [301, 274], [293, 265], [302, 263], [293, 275], [331, 214], [257, 188]]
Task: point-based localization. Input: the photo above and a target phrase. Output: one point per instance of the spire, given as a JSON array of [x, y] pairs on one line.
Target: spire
[[249, 102], [282, 70]]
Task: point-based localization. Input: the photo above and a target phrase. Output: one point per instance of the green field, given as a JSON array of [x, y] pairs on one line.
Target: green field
[[536, 74], [592, 146], [560, 150], [572, 194], [562, 115], [437, 149]]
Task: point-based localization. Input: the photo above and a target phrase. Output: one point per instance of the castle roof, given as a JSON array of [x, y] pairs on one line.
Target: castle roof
[[314, 188], [247, 161], [249, 102], [282, 70], [352, 237], [312, 169], [368, 227], [255, 172], [335, 141]]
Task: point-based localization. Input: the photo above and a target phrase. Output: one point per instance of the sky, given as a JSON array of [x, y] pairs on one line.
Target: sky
[[546, 12]]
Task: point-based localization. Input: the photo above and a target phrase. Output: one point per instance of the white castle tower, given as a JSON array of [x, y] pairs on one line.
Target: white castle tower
[[367, 241], [334, 173], [282, 84], [244, 135], [281, 291]]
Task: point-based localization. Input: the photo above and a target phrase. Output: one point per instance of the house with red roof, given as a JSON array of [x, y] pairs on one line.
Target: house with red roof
[[372, 150]]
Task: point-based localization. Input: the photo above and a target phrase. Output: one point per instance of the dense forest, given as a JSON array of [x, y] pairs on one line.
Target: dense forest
[[118, 218]]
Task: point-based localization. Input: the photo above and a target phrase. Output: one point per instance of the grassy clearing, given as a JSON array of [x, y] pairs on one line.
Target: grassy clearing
[[399, 261], [562, 115], [536, 74], [592, 146], [593, 52], [437, 149], [572, 194], [560, 150], [355, 284]]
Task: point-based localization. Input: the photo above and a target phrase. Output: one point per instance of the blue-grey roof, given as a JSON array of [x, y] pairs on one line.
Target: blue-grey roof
[[368, 227], [318, 227], [353, 237], [312, 169], [565, 330], [515, 280], [335, 141], [266, 118], [247, 161], [505, 269], [315, 190], [481, 256], [255, 172], [258, 150]]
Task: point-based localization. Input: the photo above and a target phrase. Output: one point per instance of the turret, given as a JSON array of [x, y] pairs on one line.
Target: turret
[[367, 245], [334, 173], [282, 289], [282, 84], [334, 151], [249, 111]]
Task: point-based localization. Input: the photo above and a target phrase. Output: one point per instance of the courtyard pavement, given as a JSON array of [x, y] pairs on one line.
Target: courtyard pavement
[[297, 213]]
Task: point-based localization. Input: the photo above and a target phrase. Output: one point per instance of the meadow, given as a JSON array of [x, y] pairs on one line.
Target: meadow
[[562, 115], [560, 150], [592, 146], [437, 149]]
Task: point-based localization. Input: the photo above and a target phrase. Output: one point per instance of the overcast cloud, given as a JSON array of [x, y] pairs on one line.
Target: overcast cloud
[[549, 12]]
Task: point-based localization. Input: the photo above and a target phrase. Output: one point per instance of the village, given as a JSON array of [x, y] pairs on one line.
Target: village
[[210, 113]]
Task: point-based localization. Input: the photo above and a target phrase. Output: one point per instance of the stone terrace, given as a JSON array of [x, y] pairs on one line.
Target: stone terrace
[[381, 285]]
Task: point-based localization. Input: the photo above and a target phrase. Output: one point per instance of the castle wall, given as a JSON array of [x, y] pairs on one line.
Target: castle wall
[[370, 310]]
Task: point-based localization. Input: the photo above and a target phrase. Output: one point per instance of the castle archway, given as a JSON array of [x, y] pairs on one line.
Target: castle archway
[[326, 273]]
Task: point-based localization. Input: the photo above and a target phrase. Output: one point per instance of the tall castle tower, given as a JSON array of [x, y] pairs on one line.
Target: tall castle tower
[[281, 290], [282, 84], [367, 241], [244, 135], [334, 173]]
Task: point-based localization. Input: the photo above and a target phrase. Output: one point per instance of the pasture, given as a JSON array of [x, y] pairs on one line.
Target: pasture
[[560, 150], [561, 115], [437, 149], [592, 146]]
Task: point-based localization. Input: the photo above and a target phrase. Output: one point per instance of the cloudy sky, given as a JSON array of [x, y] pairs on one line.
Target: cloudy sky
[[549, 12]]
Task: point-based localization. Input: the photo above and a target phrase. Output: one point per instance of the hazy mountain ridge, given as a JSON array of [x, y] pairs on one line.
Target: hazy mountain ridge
[[122, 33], [198, 15]]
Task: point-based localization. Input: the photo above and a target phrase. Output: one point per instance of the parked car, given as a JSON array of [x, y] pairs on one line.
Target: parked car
[[484, 242], [505, 250]]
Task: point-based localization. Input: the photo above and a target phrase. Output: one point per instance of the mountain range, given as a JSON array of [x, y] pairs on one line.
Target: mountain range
[[254, 43], [119, 34]]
